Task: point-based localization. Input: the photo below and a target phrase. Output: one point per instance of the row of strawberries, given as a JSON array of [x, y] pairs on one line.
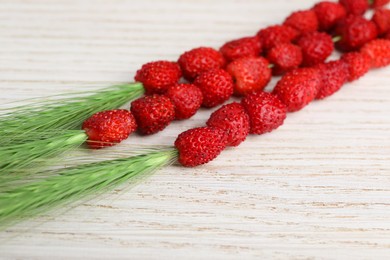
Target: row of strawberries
[[303, 40]]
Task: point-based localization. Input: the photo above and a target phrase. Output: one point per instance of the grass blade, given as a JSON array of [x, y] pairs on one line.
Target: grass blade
[[22, 158], [75, 183]]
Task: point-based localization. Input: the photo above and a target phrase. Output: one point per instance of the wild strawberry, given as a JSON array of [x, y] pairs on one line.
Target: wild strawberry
[[109, 127], [276, 34], [355, 31], [187, 99], [298, 88], [199, 60], [266, 112], [355, 7], [233, 119], [249, 74], [333, 75], [216, 86], [328, 14], [153, 113], [358, 64], [378, 3], [303, 21], [379, 52], [381, 19], [285, 57], [316, 48], [157, 76], [244, 47], [200, 145]]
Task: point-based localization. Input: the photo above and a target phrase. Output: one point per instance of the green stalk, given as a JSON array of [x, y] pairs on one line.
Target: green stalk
[[21, 158], [65, 112], [75, 183], [337, 38]]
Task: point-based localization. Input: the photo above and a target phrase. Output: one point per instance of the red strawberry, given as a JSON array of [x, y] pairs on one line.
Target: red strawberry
[[298, 88], [233, 119], [356, 7], [303, 21], [266, 112], [358, 64], [216, 86], [381, 19], [387, 36], [157, 76], [333, 74], [355, 31], [249, 74], [378, 51], [244, 47], [316, 48], [200, 145], [285, 57], [109, 127], [153, 113], [277, 34], [379, 3], [328, 14], [187, 99], [199, 60]]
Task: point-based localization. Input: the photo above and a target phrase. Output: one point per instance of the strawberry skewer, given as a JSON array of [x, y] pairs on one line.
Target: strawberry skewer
[[294, 91], [212, 85], [205, 64], [158, 76], [263, 112], [258, 113], [19, 124]]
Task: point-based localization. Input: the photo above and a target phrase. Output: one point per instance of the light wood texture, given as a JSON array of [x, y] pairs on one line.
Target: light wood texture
[[317, 188]]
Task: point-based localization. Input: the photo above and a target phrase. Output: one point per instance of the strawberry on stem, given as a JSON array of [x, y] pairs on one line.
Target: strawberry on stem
[[285, 57], [333, 75], [200, 145], [354, 32], [303, 21], [355, 7], [379, 52], [187, 99], [297, 88], [199, 60], [266, 112], [328, 14], [240, 48], [157, 76], [233, 119], [276, 34], [109, 127], [358, 64], [216, 86], [249, 74], [381, 19], [316, 48], [153, 113]]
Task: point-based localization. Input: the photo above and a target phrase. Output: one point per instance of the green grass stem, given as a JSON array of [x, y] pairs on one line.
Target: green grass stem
[[69, 185]]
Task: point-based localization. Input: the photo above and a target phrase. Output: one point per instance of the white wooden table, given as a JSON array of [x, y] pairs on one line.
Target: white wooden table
[[317, 188]]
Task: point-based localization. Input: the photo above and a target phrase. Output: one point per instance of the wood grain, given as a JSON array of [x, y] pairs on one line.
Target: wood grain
[[317, 188]]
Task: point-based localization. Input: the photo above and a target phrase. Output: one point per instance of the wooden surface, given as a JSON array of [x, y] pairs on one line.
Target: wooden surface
[[317, 188]]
